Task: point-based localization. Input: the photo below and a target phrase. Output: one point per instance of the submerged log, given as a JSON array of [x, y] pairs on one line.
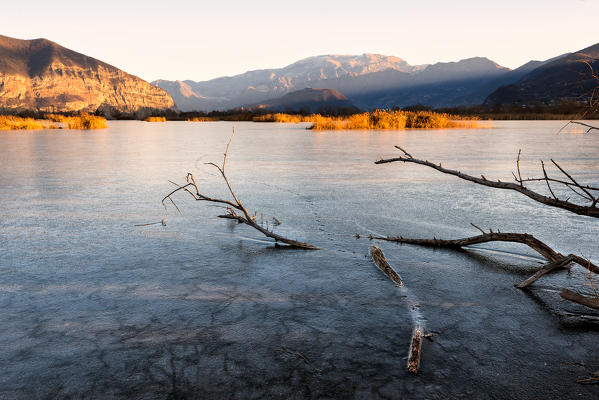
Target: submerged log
[[414, 358], [414, 354], [381, 262], [580, 299]]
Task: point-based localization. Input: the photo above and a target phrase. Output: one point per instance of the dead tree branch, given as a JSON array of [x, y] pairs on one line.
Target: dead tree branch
[[233, 206], [544, 250], [552, 266], [589, 127], [580, 299], [555, 260], [593, 378], [586, 192]]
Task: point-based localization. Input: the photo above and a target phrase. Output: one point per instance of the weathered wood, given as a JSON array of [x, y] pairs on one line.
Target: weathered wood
[[523, 238], [580, 299], [529, 240], [593, 378], [414, 354], [192, 188], [590, 211], [381, 262], [414, 357], [560, 263]]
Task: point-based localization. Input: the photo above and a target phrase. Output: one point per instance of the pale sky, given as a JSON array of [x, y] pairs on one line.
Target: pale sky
[[202, 40]]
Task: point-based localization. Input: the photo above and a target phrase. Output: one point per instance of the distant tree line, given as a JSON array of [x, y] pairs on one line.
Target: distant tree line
[[565, 109]]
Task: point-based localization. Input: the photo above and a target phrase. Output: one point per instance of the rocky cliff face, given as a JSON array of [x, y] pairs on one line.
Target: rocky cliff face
[[41, 75]]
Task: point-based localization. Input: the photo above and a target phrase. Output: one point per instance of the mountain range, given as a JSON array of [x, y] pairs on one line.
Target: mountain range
[[376, 81], [566, 78], [44, 76]]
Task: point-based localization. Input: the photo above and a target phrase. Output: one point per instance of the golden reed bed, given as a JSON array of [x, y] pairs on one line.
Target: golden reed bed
[[393, 120], [376, 120], [155, 119], [83, 121]]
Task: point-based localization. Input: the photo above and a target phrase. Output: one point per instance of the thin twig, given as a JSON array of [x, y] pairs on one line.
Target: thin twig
[[590, 196], [547, 180], [481, 231], [518, 166]]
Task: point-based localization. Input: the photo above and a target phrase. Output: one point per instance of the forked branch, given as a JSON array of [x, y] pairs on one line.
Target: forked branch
[[235, 208], [555, 260], [586, 192]]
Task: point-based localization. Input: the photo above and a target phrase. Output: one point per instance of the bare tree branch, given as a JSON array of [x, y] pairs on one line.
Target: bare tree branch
[[591, 211], [556, 260], [192, 188], [580, 299], [557, 264], [523, 238], [528, 240], [590, 127]]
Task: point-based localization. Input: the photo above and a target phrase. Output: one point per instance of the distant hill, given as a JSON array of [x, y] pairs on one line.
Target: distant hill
[[42, 75], [566, 78], [309, 101], [368, 80], [450, 84], [256, 86]]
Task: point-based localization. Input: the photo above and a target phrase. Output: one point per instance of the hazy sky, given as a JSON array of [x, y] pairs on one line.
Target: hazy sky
[[202, 40]]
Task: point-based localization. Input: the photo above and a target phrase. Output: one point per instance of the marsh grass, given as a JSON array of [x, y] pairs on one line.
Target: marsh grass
[[81, 121], [393, 120], [286, 118], [155, 119], [9, 123], [203, 119]]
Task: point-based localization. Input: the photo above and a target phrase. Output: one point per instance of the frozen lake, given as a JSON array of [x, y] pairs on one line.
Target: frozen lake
[[92, 306]]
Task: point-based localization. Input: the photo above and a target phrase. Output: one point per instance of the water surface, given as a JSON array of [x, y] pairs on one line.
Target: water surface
[[92, 306]]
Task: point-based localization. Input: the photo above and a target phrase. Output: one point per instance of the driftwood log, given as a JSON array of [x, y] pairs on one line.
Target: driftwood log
[[580, 299], [414, 358], [555, 260], [235, 208], [414, 354], [586, 192], [381, 262]]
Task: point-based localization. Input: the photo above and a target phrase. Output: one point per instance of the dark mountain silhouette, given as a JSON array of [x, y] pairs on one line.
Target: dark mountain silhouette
[[309, 101], [566, 78]]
